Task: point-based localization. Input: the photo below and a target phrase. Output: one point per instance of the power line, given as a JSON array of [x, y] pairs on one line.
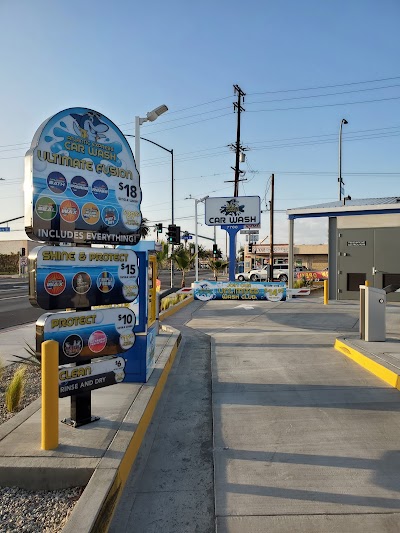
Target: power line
[[324, 105], [326, 86], [323, 95]]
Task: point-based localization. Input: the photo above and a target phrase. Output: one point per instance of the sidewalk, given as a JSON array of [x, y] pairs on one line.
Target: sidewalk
[[14, 340], [305, 440], [263, 426]]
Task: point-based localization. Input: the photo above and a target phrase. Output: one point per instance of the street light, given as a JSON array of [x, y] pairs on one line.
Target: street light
[[196, 242], [151, 116], [343, 121]]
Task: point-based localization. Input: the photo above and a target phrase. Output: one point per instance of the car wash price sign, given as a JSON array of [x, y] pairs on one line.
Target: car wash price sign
[[83, 335], [82, 173], [89, 377], [63, 277]]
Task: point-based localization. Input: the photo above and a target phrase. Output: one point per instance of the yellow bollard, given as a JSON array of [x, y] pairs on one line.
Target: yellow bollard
[[325, 292], [366, 283], [49, 395]]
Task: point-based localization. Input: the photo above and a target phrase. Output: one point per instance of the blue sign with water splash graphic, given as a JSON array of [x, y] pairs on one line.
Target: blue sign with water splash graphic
[[82, 181]]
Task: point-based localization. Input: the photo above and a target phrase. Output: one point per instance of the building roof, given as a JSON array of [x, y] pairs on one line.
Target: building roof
[[348, 207]]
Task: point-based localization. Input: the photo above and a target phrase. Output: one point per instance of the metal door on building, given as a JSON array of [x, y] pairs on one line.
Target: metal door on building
[[370, 254]]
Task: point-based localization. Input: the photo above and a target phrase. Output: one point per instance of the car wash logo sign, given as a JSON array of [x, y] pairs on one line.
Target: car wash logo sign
[[236, 210], [84, 182]]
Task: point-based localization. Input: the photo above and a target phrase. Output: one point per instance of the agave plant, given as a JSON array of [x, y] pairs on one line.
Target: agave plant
[[32, 360]]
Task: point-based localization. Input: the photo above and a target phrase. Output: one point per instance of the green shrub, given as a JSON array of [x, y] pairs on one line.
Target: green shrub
[[15, 390]]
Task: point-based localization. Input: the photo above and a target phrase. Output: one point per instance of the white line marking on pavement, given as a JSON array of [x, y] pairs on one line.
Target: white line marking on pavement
[[13, 297]]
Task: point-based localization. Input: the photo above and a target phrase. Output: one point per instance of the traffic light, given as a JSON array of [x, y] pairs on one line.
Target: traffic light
[[159, 228], [23, 252], [250, 248], [215, 250], [174, 234]]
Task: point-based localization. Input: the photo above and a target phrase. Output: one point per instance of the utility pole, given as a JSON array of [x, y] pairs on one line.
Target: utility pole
[[237, 106], [271, 229]]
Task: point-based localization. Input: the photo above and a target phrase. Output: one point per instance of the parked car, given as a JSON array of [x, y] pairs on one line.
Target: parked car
[[279, 272]]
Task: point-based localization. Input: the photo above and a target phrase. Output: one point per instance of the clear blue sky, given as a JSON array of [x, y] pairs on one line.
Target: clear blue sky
[[124, 58]]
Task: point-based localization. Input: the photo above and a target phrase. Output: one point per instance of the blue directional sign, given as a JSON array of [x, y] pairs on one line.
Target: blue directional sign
[[5, 229]]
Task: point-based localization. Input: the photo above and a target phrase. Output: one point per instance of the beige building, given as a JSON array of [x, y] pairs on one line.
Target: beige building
[[311, 256]]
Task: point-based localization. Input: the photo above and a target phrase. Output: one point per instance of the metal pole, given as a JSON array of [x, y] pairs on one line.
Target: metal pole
[[343, 121], [172, 212], [291, 265], [137, 143], [271, 231], [196, 242], [340, 161]]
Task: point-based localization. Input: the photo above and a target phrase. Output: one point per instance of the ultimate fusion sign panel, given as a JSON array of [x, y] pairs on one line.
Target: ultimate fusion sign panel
[[232, 210], [85, 186]]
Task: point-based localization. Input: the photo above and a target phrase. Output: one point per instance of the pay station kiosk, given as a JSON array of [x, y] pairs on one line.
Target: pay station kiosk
[[373, 312], [140, 358]]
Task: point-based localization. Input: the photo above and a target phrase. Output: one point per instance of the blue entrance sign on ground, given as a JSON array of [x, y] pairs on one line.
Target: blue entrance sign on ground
[[227, 290], [82, 173]]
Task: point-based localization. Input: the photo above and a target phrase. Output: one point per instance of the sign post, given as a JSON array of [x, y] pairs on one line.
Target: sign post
[[232, 213], [232, 231], [85, 190]]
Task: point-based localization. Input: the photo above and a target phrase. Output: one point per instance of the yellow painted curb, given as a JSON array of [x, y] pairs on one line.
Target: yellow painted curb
[[388, 376], [176, 307], [105, 515]]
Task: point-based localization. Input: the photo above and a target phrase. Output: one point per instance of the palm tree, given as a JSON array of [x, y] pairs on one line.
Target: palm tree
[[162, 255], [144, 229], [183, 260], [216, 266]]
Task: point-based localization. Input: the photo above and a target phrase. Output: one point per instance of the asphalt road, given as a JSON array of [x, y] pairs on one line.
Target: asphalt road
[[15, 308], [165, 277]]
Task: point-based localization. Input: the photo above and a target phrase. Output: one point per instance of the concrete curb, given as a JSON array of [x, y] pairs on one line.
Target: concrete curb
[[176, 308], [95, 508], [379, 368]]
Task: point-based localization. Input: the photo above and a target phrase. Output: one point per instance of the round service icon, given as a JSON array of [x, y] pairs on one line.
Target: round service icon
[[54, 283], [90, 213], [72, 345], [69, 211], [97, 341], [81, 282], [56, 182], [99, 189], [46, 208], [105, 281], [79, 186], [110, 215]]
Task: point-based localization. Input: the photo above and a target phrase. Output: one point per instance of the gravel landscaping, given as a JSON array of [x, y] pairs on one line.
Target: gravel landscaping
[[32, 511], [31, 392]]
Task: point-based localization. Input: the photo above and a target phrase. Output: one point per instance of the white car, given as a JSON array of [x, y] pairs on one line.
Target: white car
[[280, 272]]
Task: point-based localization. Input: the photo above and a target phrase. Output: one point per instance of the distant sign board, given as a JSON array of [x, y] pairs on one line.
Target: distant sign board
[[69, 276], [249, 232], [232, 210], [82, 181], [239, 290], [83, 335], [5, 229], [89, 377]]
